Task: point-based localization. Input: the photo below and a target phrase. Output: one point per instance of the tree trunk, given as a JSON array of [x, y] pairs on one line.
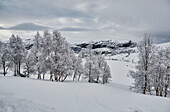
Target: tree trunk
[[79, 78], [19, 67], [15, 67], [157, 91], [28, 72], [90, 73], [159, 81], [39, 76], [43, 75], [56, 72], [74, 76], [166, 82], [166, 89], [161, 91], [161, 87], [64, 78], [59, 77], [97, 79], [147, 43], [51, 75], [4, 68], [56, 75], [144, 90], [103, 79]]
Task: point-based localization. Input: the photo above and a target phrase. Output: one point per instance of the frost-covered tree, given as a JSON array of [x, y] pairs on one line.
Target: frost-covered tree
[[167, 71], [106, 73], [77, 67], [53, 54], [29, 63], [100, 67], [158, 72], [152, 73], [102, 71], [66, 62], [57, 44], [47, 52], [90, 63], [36, 50], [5, 58], [161, 72], [16, 51], [96, 68], [142, 75], [62, 57]]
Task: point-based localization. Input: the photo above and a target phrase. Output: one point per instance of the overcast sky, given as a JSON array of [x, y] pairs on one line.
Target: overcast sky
[[93, 19]]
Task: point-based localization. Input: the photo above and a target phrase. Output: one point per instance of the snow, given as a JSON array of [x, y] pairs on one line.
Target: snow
[[119, 71], [26, 95], [124, 57]]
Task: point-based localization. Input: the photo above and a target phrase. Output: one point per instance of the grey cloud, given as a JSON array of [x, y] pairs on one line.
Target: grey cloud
[[68, 13], [77, 29], [123, 18], [160, 37]]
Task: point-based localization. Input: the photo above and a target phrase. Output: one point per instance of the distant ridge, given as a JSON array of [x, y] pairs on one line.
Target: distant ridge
[[2, 27], [28, 27], [108, 44]]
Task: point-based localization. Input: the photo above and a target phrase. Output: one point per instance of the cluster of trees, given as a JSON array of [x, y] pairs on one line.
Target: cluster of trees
[[52, 55], [152, 74], [96, 68]]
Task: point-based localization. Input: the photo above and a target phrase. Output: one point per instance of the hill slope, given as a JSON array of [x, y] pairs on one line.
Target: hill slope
[[25, 95]]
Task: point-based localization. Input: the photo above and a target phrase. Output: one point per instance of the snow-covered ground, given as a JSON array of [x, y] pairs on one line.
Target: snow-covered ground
[[119, 71], [32, 95], [28, 95]]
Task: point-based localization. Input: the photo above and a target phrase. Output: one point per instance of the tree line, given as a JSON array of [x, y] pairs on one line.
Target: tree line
[[51, 54], [152, 74]]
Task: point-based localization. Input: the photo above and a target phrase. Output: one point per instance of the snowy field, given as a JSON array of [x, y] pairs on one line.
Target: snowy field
[[31, 95]]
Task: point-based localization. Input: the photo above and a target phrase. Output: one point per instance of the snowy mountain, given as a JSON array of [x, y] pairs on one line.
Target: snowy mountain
[[28, 27]]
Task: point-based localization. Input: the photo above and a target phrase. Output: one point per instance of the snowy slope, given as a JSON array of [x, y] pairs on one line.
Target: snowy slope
[[120, 70], [164, 45], [27, 95]]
